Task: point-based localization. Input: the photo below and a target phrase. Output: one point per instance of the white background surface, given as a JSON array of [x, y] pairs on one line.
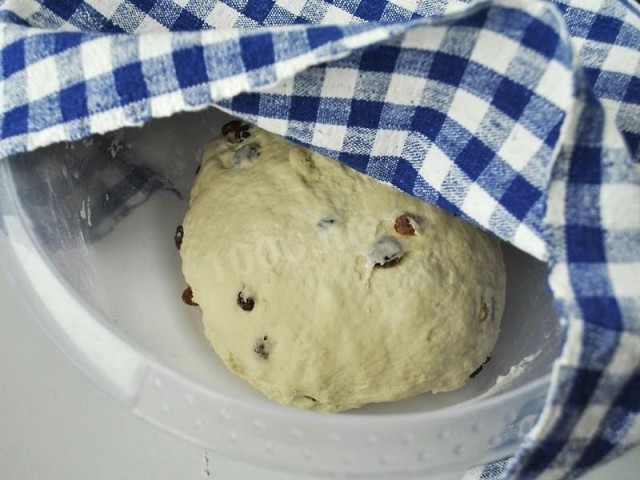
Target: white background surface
[[55, 425]]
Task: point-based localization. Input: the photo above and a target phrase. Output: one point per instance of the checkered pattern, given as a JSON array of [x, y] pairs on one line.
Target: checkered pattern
[[521, 116]]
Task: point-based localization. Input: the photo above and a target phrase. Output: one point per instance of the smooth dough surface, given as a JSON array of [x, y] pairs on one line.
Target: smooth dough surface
[[280, 249]]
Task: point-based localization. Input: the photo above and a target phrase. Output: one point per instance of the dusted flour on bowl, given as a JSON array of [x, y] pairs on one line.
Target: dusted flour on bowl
[[328, 290]]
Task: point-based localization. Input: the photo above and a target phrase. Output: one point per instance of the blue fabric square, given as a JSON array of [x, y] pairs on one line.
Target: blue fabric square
[[445, 204], [258, 10], [585, 166], [629, 397], [553, 135], [370, 10], [633, 142], [428, 122], [474, 158], [16, 121], [520, 197], [477, 20], [583, 386], [190, 66], [356, 161], [13, 58], [321, 35], [65, 41], [130, 83], [511, 98], [584, 244], [365, 113], [64, 8], [381, 59], [600, 311], [257, 50], [591, 75], [248, 103], [73, 102], [143, 5], [405, 176], [604, 29], [304, 108], [448, 68], [187, 21], [541, 38], [632, 95]]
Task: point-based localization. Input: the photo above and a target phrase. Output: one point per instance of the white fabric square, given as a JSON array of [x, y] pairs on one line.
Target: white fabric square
[[526, 239], [573, 343], [293, 6], [389, 143], [154, 45], [336, 15], [618, 210], [424, 38], [222, 16], [620, 364], [625, 279], [283, 87], [556, 85], [519, 147], [96, 57], [560, 281], [329, 136], [435, 167], [42, 78], [479, 205], [105, 7], [102, 122], [468, 110], [589, 421], [555, 204], [591, 5], [274, 125], [57, 133], [339, 82], [620, 59], [405, 89], [26, 8], [182, 3], [410, 5], [494, 51], [150, 25], [165, 105]]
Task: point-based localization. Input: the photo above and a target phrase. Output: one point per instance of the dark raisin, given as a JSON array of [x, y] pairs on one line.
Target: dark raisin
[[245, 304], [326, 222], [310, 398], [262, 348], [389, 263], [235, 131], [187, 297], [198, 169], [403, 224], [179, 236], [385, 252], [479, 369], [476, 372], [484, 312]]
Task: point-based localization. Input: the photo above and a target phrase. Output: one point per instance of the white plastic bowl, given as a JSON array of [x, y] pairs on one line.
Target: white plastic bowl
[[102, 276]]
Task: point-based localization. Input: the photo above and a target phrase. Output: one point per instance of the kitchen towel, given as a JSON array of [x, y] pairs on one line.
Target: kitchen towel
[[520, 116]]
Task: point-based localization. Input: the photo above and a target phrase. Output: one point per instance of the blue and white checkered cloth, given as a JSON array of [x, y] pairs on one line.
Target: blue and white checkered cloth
[[521, 116]]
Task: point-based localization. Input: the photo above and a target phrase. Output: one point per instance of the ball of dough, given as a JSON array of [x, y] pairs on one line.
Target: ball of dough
[[328, 290]]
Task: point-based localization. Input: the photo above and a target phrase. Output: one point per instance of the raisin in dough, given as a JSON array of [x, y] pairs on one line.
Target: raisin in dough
[[328, 290]]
